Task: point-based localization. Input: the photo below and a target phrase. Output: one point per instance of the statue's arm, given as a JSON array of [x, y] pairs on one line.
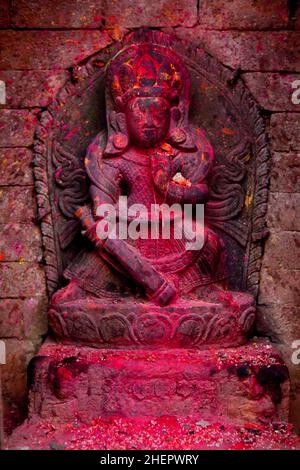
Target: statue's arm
[[106, 189], [194, 168], [193, 194]]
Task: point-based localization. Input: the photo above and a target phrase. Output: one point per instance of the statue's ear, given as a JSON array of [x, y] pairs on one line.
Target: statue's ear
[[180, 135], [117, 139]]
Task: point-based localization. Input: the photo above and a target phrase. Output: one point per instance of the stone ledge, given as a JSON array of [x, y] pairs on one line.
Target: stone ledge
[[72, 381], [153, 433]]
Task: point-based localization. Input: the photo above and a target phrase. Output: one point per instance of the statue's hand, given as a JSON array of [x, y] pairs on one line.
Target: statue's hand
[[84, 214], [165, 294]]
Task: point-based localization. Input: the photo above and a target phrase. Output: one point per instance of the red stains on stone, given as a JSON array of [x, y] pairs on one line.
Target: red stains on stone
[[249, 50], [243, 14], [17, 127], [28, 88], [157, 433], [61, 49], [86, 383], [15, 167], [57, 14], [4, 13], [22, 279]]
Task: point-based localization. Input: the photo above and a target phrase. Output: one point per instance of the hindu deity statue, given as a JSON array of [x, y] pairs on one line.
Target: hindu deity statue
[[153, 156]]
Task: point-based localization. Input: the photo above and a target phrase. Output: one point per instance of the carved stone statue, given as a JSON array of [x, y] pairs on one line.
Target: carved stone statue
[[160, 309], [149, 290]]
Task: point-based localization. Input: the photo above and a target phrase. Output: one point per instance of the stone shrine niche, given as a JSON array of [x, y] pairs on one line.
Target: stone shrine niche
[[237, 181], [146, 331]]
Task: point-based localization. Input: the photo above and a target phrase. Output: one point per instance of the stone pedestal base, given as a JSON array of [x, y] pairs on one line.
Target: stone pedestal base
[[245, 384], [221, 322]]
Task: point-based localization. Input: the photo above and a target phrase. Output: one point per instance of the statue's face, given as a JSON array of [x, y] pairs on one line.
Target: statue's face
[[148, 120]]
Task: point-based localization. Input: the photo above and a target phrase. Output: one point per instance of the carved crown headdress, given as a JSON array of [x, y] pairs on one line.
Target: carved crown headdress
[[147, 70]]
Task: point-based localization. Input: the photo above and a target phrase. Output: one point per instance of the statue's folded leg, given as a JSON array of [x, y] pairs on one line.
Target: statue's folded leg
[[160, 290], [130, 260]]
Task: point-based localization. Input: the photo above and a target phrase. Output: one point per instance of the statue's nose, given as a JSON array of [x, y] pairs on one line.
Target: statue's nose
[[148, 119]]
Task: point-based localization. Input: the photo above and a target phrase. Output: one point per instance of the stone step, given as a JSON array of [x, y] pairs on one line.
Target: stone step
[[245, 384], [152, 433]]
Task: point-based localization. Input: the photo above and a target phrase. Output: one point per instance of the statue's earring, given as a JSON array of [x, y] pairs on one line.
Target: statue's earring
[[176, 133], [118, 139], [179, 134]]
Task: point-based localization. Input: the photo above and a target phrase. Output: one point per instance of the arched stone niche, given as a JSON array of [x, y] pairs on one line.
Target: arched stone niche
[[221, 105]]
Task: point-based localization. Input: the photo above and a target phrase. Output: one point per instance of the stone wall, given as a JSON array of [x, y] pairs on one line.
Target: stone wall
[[40, 41]]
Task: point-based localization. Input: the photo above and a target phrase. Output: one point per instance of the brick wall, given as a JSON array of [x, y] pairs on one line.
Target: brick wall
[[40, 40]]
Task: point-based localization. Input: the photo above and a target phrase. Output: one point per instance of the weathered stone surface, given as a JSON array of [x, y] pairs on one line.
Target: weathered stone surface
[[249, 50], [16, 127], [16, 166], [165, 433], [285, 172], [138, 324], [4, 14], [14, 379], [279, 322], [57, 13], [285, 131], [296, 16], [21, 280], [11, 319], [284, 211], [17, 204], [289, 353], [273, 91], [96, 383], [20, 242], [243, 14], [18, 354], [21, 318], [60, 49], [279, 286], [282, 250], [160, 13], [25, 89], [91, 13], [35, 316]]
